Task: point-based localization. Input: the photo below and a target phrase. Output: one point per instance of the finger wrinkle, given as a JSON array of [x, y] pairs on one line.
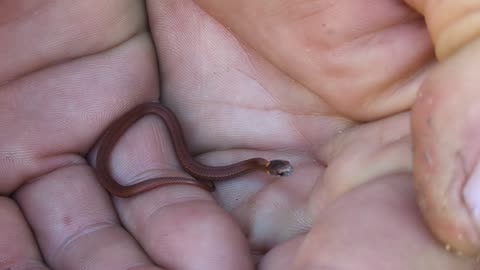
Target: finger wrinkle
[[27, 264], [70, 161], [184, 200], [70, 60], [87, 230]]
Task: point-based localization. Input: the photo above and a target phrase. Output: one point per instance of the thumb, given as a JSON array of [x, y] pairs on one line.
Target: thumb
[[445, 126], [446, 132]]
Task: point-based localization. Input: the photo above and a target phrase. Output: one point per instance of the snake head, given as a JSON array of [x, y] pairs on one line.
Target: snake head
[[279, 168]]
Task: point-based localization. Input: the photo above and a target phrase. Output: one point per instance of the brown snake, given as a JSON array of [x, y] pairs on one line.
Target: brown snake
[[204, 175]]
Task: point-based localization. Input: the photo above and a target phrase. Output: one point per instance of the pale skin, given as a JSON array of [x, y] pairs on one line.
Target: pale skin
[[353, 84]]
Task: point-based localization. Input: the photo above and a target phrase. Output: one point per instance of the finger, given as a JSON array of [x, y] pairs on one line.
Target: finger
[[452, 24], [75, 224], [18, 249], [445, 129], [179, 226], [327, 47], [377, 226], [443, 158], [60, 31], [282, 256], [60, 110], [361, 154]]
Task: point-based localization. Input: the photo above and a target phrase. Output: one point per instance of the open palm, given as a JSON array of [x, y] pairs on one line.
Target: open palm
[[327, 87]]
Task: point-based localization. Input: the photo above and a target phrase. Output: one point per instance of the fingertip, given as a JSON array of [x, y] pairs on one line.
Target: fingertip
[[180, 228], [444, 157]]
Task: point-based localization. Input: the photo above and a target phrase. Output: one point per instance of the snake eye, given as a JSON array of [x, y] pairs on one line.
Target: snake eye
[[280, 168], [285, 173]]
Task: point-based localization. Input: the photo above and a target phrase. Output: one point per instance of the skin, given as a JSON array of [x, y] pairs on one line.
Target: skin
[[329, 95]]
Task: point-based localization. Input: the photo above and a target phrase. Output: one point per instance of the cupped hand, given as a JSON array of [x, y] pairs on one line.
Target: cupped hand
[[326, 86]]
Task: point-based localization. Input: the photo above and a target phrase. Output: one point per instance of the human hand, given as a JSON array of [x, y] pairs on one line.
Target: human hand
[[338, 51], [217, 87]]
